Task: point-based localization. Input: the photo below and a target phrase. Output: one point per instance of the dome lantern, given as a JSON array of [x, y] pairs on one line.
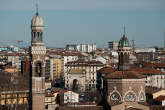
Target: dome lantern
[[124, 42], [37, 21]]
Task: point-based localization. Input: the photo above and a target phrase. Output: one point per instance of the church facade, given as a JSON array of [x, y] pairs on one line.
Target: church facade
[[124, 88]]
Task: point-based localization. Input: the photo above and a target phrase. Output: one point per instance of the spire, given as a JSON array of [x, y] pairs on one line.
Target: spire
[[37, 9], [124, 29], [164, 39]]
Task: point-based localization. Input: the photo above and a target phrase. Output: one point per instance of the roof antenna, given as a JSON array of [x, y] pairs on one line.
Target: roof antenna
[[37, 9]]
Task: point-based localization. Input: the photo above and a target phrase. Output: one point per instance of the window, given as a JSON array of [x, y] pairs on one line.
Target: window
[[130, 97], [115, 97]]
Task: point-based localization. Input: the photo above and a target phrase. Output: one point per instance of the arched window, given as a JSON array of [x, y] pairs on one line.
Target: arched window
[[126, 58], [38, 69], [130, 97], [121, 58], [38, 36], [115, 97], [75, 85], [141, 96]]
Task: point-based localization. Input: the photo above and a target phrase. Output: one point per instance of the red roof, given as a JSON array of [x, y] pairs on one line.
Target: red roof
[[83, 62], [131, 108], [124, 75], [145, 71], [49, 95], [11, 54], [55, 90], [64, 53], [106, 70], [9, 67], [160, 98], [153, 64]]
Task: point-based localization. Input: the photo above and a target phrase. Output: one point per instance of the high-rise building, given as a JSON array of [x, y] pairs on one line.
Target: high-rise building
[[54, 67], [81, 47], [86, 47], [113, 45], [37, 57], [83, 72]]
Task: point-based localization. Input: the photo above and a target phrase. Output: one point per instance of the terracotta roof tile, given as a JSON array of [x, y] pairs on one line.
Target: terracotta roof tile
[[124, 75], [106, 70], [146, 71], [131, 108], [160, 98], [80, 108], [49, 95], [153, 64], [83, 62]]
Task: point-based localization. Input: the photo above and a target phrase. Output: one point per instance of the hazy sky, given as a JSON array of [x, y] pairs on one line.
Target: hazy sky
[[85, 21]]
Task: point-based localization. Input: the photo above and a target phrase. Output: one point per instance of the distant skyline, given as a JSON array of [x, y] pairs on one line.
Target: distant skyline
[[85, 21]]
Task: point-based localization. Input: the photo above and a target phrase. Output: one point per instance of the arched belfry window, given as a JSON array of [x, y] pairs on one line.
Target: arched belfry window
[[121, 58], [38, 69], [126, 60], [75, 85]]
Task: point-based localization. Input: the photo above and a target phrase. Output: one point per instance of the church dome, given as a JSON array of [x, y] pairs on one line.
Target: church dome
[[124, 42], [37, 22]]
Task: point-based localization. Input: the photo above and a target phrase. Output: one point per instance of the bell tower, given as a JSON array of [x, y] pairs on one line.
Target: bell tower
[[37, 61], [123, 53]]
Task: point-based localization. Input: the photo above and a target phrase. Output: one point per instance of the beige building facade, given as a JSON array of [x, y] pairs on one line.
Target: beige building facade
[[90, 68]]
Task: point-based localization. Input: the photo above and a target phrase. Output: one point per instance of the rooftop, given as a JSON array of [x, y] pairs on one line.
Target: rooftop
[[124, 75], [80, 108], [9, 82], [83, 62], [160, 98], [106, 70]]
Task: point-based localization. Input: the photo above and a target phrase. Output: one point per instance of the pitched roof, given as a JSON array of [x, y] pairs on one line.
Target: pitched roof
[[106, 70], [149, 64], [160, 98], [10, 82], [85, 63], [124, 75], [131, 108], [80, 108], [146, 71]]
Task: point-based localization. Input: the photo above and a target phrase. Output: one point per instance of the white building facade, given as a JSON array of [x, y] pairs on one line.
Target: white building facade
[[81, 47], [71, 97], [90, 68]]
